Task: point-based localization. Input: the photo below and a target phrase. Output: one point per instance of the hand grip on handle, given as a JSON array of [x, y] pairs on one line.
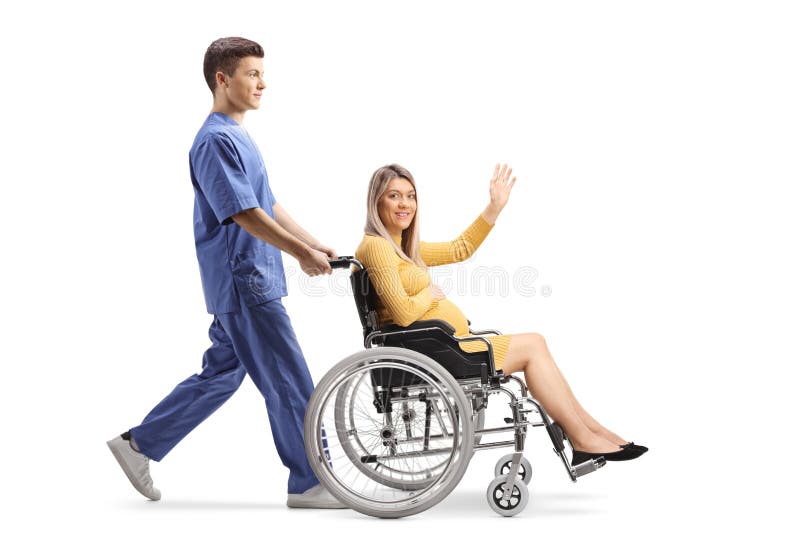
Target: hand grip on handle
[[342, 262]]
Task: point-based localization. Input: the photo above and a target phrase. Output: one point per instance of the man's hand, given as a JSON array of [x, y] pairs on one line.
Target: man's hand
[[326, 250], [314, 262]]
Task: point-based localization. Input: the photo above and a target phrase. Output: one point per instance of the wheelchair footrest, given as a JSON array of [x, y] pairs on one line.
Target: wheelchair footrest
[[589, 466]]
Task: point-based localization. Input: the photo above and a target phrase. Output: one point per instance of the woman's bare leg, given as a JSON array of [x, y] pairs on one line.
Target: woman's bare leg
[[528, 353], [590, 422]]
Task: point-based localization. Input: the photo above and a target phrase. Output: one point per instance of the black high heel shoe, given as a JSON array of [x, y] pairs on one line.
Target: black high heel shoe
[[631, 445], [578, 457]]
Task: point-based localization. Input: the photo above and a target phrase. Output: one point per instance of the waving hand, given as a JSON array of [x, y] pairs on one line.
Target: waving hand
[[499, 190]]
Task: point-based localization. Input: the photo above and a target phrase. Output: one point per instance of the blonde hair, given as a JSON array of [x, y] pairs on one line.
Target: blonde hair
[[409, 243]]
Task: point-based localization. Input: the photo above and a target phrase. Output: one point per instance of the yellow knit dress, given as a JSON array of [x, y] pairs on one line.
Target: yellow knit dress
[[403, 289]]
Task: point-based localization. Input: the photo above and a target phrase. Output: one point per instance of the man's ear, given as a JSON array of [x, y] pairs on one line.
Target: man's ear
[[222, 79]]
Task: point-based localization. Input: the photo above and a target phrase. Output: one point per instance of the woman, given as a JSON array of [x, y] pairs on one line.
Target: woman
[[397, 261]]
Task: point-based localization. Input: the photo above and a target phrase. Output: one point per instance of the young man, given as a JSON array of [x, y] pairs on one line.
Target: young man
[[240, 230]]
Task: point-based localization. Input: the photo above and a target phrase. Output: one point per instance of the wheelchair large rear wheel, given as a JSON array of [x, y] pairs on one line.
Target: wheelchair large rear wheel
[[356, 439], [389, 432]]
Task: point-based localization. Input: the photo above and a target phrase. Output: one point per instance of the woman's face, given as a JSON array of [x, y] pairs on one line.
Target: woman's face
[[397, 206]]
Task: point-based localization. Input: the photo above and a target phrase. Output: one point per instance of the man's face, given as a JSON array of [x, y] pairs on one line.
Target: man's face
[[243, 89]]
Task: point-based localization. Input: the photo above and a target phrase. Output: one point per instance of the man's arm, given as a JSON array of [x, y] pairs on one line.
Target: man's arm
[[283, 218], [260, 225]]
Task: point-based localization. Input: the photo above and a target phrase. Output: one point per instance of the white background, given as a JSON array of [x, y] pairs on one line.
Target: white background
[[656, 146]]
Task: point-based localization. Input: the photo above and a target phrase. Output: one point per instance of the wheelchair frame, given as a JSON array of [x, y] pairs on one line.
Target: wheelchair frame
[[426, 352]]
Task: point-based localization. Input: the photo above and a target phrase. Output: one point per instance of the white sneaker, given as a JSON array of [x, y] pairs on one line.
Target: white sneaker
[[135, 465], [316, 497]]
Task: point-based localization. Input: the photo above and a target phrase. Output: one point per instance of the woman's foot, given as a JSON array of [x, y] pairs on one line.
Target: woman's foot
[[594, 444], [619, 442], [610, 436]]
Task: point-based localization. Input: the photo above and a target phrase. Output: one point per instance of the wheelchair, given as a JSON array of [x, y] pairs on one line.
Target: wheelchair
[[390, 430]]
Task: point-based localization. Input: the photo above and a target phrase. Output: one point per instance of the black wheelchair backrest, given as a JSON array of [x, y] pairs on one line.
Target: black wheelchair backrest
[[364, 295]]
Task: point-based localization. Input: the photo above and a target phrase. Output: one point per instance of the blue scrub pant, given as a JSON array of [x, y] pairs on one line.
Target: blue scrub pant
[[258, 341]]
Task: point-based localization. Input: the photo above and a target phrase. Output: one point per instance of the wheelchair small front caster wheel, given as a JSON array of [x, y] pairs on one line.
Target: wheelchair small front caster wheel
[[515, 504], [503, 466]]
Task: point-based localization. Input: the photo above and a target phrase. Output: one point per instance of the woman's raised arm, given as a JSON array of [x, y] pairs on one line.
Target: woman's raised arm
[[470, 239]]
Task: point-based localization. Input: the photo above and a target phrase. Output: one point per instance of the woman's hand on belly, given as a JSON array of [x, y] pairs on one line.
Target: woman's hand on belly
[[436, 292]]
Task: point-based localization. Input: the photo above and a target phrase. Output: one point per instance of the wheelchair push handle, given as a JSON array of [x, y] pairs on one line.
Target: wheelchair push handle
[[343, 262]]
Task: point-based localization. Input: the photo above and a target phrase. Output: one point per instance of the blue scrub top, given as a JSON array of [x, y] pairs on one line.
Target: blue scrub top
[[229, 175]]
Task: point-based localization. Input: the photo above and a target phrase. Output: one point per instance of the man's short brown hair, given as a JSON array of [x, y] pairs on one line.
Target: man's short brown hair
[[223, 55]]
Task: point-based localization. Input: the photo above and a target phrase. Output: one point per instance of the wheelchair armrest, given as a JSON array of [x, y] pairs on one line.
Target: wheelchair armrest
[[415, 329], [436, 338], [481, 332], [484, 332], [419, 325]]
